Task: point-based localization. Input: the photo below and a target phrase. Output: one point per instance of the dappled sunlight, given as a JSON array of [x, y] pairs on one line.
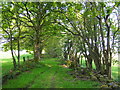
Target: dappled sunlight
[[52, 75], [3, 61], [48, 65], [115, 65], [115, 72], [65, 66]]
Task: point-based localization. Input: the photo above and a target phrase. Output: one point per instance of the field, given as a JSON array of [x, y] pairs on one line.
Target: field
[[52, 75]]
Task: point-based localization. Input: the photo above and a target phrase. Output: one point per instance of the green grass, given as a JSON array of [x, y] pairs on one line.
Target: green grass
[[7, 63], [84, 64], [52, 75], [24, 79], [115, 73]]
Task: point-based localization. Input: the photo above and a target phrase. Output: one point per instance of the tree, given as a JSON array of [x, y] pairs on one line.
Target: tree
[[33, 16], [85, 21], [8, 29], [53, 47]]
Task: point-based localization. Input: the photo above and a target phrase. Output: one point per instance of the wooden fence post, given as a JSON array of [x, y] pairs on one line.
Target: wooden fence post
[[24, 59]]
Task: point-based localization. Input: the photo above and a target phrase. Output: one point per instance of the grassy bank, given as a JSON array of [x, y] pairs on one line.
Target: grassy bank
[[51, 75], [7, 63]]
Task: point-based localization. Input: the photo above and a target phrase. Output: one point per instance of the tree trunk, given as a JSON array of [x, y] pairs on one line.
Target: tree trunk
[[108, 51], [103, 44], [19, 46], [18, 38], [41, 51], [36, 47], [81, 59], [11, 48], [89, 62]]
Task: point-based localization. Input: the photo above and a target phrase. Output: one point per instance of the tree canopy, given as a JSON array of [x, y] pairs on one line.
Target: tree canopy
[[70, 30]]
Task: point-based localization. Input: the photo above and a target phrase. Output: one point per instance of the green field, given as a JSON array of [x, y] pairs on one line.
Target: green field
[[7, 63], [52, 75]]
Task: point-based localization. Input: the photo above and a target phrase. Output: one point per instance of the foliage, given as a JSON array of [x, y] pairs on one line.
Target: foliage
[[70, 30], [53, 47]]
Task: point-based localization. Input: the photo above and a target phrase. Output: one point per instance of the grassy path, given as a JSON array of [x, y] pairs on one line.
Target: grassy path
[[51, 75]]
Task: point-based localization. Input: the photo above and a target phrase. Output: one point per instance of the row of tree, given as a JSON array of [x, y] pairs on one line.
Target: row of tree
[[27, 25], [84, 29], [93, 33]]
